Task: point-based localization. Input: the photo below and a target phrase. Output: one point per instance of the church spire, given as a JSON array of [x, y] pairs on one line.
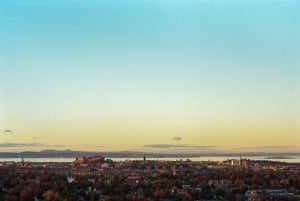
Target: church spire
[[22, 162]]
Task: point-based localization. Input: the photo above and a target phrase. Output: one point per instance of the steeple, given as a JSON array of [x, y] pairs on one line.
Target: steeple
[[22, 162]]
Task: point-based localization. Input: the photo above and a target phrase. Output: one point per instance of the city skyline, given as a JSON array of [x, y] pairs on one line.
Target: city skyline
[[196, 76]]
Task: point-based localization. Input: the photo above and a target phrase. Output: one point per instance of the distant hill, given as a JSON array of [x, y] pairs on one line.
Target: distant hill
[[73, 154], [125, 154]]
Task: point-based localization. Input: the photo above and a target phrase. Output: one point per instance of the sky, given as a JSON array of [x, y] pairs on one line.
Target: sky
[[150, 75]]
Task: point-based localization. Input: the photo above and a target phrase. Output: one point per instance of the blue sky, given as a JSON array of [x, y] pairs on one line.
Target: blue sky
[[146, 71]]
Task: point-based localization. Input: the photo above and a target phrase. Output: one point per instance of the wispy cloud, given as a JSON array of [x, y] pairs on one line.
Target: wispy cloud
[[11, 145], [55, 146], [185, 146], [274, 147], [267, 149], [163, 146], [271, 147], [180, 148], [177, 138], [7, 131], [21, 145]]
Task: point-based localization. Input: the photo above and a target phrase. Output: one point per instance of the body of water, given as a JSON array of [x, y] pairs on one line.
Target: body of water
[[291, 159]]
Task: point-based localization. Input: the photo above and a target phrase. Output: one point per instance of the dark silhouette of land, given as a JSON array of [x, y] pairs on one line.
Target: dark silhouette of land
[[137, 154]]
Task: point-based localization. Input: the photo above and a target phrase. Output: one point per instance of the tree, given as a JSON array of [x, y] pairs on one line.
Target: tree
[[27, 193], [48, 195]]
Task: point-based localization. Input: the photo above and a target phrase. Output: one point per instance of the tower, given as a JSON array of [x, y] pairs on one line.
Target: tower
[[22, 162], [144, 157]]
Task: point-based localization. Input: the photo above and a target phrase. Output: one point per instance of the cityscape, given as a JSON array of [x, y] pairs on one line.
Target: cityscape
[[96, 178], [149, 100]]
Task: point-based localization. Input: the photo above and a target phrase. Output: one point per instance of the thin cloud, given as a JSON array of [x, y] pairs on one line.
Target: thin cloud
[[164, 145], [21, 145], [56, 146], [6, 145], [273, 147], [182, 146], [177, 138], [7, 131], [268, 147], [203, 147]]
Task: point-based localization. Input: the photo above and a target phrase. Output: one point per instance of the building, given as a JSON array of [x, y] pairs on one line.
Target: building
[[95, 159], [80, 159], [89, 160]]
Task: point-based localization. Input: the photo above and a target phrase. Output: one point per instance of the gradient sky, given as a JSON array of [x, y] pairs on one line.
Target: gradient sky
[[150, 75]]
